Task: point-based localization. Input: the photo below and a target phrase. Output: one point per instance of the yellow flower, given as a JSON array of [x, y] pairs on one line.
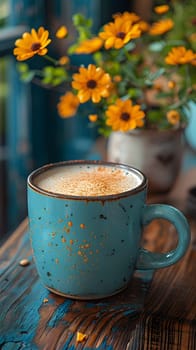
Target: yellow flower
[[161, 27], [173, 117], [123, 116], [62, 32], [160, 10], [89, 46], [130, 16], [179, 55], [93, 118], [133, 18], [192, 37], [68, 105], [63, 60], [144, 26], [117, 78], [118, 33], [92, 83], [171, 84], [32, 44], [194, 62]]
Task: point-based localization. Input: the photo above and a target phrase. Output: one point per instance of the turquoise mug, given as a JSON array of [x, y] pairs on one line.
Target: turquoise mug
[[87, 245]]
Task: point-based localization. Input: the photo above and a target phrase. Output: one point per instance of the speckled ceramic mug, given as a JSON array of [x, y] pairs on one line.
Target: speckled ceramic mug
[[88, 246]]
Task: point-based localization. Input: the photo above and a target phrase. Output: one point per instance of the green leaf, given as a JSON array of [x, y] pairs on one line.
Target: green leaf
[[28, 76], [60, 72], [47, 80], [48, 71], [80, 21], [157, 46], [71, 49], [22, 67], [57, 81], [157, 74], [130, 46]]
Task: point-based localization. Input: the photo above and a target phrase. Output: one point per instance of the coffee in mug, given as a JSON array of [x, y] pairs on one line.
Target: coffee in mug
[[86, 220], [88, 180]]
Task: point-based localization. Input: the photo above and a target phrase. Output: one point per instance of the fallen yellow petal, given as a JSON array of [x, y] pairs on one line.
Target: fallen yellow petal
[[80, 337]]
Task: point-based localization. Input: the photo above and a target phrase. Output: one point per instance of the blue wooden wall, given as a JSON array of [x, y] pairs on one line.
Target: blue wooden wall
[[35, 133]]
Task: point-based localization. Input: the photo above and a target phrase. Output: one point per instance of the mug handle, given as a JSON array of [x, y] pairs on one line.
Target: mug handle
[[149, 260]]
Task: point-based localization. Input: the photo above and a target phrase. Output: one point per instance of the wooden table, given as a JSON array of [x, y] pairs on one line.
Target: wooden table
[[157, 310]]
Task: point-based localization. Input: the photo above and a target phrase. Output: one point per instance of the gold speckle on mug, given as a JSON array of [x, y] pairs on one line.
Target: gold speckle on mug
[[85, 258], [82, 226], [53, 234], [66, 229], [57, 261], [63, 240], [70, 223], [83, 255], [85, 246], [71, 241]]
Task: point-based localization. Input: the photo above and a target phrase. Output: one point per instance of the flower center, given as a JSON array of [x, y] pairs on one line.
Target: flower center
[[91, 84], [125, 116], [120, 35], [35, 46]]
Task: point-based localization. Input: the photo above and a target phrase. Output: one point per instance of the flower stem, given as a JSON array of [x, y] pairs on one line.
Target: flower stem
[[55, 62]]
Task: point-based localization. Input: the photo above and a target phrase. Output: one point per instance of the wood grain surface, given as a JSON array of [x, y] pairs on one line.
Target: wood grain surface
[[33, 318], [156, 312]]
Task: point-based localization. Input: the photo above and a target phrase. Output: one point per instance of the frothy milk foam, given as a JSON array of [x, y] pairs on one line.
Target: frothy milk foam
[[87, 180]]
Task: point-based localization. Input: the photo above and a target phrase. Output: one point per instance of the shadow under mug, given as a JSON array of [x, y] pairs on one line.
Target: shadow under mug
[[87, 247]]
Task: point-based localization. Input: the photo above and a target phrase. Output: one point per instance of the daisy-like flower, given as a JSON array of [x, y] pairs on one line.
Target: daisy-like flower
[[160, 10], [180, 55], [173, 117], [123, 116], [92, 83], [130, 16], [68, 105], [89, 46], [133, 18], [32, 44], [144, 26], [118, 33], [161, 27], [62, 32]]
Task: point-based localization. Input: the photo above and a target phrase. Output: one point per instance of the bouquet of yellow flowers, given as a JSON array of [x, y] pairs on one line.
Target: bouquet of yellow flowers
[[137, 77]]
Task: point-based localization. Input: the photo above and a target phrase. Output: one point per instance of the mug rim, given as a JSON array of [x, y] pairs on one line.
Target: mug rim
[[38, 171]]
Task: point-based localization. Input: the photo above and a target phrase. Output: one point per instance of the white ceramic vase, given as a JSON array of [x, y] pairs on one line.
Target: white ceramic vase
[[158, 154]]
